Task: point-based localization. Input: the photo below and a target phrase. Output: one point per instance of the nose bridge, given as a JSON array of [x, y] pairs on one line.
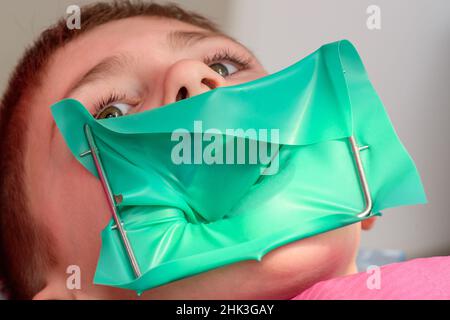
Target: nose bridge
[[187, 78]]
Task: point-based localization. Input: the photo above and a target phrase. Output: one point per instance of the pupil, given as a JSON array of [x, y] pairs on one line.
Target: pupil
[[220, 69]]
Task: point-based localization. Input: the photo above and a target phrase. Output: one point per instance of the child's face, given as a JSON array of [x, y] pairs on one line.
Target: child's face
[[129, 66]]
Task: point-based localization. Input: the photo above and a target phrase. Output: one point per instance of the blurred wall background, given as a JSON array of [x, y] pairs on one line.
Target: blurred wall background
[[407, 60]]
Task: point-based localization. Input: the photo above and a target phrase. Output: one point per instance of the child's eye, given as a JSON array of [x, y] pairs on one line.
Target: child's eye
[[225, 62], [113, 111], [223, 68]]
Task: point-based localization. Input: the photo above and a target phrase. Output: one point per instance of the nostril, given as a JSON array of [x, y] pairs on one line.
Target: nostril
[[182, 94], [210, 83]]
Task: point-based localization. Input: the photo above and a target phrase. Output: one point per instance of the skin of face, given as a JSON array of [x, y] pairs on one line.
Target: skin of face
[[147, 72]]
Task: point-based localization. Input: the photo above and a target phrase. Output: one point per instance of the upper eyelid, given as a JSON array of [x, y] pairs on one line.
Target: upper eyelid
[[230, 56], [116, 96], [237, 48], [251, 56], [225, 47]]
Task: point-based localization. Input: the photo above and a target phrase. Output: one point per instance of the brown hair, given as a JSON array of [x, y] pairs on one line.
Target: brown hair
[[25, 245]]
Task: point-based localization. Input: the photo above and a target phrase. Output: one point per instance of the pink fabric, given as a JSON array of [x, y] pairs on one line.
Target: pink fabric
[[425, 278]]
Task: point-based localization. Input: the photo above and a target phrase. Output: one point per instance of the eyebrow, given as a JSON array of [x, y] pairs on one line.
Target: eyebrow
[[181, 39], [108, 66]]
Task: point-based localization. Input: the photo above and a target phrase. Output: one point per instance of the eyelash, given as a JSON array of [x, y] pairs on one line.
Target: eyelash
[[107, 101], [241, 62]]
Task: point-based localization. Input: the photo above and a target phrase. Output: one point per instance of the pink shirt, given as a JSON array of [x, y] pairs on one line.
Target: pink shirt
[[425, 278]]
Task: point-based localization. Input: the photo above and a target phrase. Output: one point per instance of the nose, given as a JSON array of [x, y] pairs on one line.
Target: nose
[[187, 78]]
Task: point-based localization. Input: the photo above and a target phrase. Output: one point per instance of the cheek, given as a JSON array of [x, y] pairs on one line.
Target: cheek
[[79, 209]]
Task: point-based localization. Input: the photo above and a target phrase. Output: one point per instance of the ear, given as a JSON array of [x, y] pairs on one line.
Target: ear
[[368, 223], [55, 289]]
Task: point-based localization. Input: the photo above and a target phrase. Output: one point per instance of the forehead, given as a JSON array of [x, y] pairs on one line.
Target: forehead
[[139, 35]]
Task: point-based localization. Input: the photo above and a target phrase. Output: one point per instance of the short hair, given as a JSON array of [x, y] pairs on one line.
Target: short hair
[[26, 252]]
